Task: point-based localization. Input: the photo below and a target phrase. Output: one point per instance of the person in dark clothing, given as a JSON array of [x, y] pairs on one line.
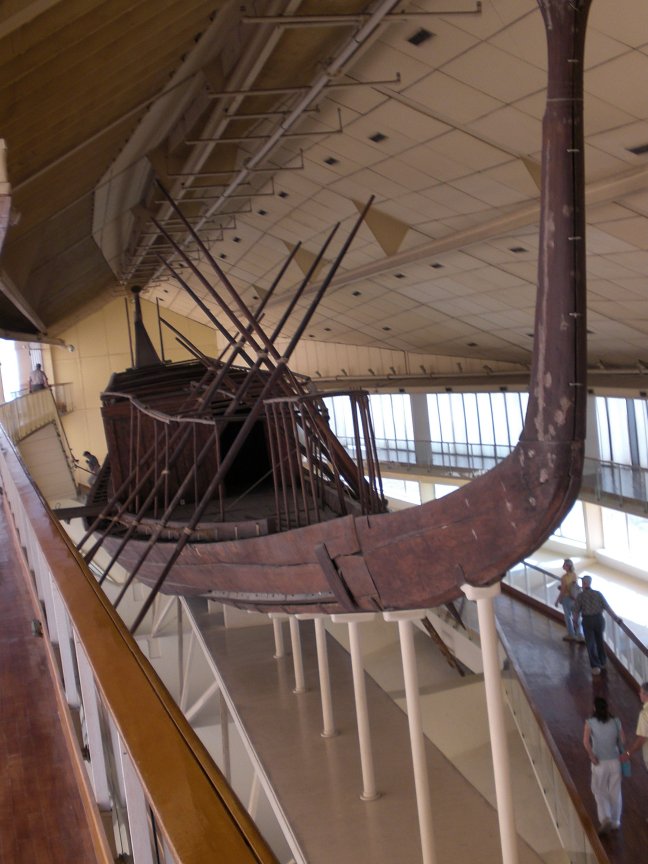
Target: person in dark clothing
[[92, 462], [591, 605]]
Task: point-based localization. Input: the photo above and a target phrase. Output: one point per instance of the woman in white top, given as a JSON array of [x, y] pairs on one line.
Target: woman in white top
[[604, 741]]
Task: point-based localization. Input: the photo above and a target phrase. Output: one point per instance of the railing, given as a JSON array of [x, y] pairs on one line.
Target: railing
[[147, 767], [576, 832], [27, 414], [575, 829], [62, 394], [541, 586], [613, 483], [464, 459], [609, 482], [230, 747]]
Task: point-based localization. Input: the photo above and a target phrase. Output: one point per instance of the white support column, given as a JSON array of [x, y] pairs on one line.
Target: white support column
[[369, 791], [93, 729], [138, 817], [65, 648], [277, 627], [417, 738], [421, 428], [496, 718], [328, 730], [298, 663]]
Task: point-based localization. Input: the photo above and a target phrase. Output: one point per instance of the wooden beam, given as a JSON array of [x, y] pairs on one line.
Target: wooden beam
[[18, 13]]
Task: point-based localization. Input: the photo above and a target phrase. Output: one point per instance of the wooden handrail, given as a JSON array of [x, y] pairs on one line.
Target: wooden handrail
[[199, 814]]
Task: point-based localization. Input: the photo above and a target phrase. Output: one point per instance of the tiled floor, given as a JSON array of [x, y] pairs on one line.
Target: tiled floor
[[318, 781]]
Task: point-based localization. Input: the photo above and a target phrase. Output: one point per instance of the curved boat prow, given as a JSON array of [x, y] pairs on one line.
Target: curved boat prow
[[476, 533]]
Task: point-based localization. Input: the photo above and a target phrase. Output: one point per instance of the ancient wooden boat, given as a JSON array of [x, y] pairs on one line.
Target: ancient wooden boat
[[224, 479]]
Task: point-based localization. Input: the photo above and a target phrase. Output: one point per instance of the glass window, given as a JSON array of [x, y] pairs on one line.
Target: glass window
[[573, 525], [485, 410], [615, 531], [458, 417], [392, 416], [441, 489], [402, 490], [434, 417]]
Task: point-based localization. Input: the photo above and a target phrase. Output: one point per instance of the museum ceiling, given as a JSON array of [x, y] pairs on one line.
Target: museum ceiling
[[268, 122]]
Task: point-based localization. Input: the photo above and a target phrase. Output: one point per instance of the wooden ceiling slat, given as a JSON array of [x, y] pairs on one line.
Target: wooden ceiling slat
[[102, 61], [48, 27], [71, 36], [74, 178]]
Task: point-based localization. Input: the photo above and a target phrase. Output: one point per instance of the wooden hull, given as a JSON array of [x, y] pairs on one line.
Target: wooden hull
[[400, 560]]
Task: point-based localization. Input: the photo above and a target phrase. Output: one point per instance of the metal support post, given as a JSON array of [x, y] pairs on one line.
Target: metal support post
[[417, 738], [93, 729], [369, 792], [329, 730], [496, 718], [298, 663]]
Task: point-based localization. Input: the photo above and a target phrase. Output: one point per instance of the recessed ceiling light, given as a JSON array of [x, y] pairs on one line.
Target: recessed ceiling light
[[223, 255], [530, 335], [471, 344], [331, 160], [436, 266], [236, 239], [328, 329], [638, 150], [283, 194], [377, 137], [262, 212], [420, 36], [399, 275], [356, 293], [386, 328], [517, 249]]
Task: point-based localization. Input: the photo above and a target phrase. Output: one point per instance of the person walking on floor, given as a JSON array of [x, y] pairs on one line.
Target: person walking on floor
[[590, 605], [641, 739], [604, 741], [567, 593]]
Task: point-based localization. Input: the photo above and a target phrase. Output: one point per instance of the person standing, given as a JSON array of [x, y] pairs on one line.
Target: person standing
[[603, 740], [567, 593], [641, 738], [591, 605], [92, 462], [37, 379]]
